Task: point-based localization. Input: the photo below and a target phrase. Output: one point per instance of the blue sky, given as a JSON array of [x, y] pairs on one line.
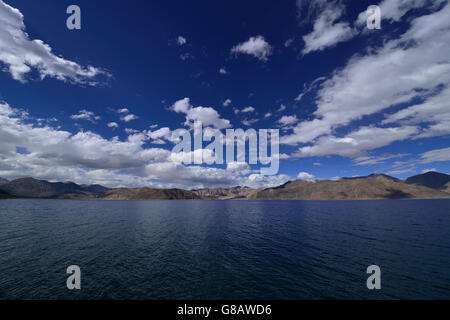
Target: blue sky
[[96, 105]]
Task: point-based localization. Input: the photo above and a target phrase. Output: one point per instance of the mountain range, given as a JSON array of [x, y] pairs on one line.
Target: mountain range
[[374, 186]]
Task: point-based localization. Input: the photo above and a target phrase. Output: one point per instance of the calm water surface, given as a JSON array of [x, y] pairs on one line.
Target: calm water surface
[[224, 249]]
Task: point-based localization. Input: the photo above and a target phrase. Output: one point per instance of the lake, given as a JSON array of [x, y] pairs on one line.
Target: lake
[[225, 249]]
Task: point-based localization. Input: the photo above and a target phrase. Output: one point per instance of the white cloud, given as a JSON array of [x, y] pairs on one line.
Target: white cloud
[[394, 10], [241, 167], [288, 42], [255, 46], [372, 160], [131, 131], [258, 181], [113, 125], [433, 113], [123, 110], [308, 88], [281, 108], [429, 170], [306, 176], [437, 155], [223, 70], [267, 115], [401, 171], [248, 110], [357, 142], [159, 136], [182, 105], [86, 157], [181, 40], [85, 115], [249, 122], [207, 115], [226, 103], [412, 66], [20, 54], [288, 120], [129, 117], [185, 56], [200, 155], [327, 30]]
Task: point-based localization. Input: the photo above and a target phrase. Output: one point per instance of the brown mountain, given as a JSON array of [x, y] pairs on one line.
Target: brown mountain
[[33, 188], [434, 180], [446, 188], [135, 194], [375, 186], [225, 193], [148, 194]]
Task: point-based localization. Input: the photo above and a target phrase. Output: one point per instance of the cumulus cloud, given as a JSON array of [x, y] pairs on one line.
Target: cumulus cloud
[[182, 105], [255, 46], [21, 55], [235, 166], [85, 157], [223, 70], [199, 156], [306, 176], [85, 115], [126, 115], [207, 115], [54, 149], [113, 125]]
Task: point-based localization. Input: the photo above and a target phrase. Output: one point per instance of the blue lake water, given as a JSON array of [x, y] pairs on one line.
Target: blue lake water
[[225, 249]]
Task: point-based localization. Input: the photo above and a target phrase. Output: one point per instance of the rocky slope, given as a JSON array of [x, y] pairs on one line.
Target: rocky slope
[[434, 180], [375, 186], [225, 193], [33, 188], [134, 194], [372, 187]]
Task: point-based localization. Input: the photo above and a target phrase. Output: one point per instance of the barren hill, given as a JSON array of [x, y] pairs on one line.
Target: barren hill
[[370, 187]]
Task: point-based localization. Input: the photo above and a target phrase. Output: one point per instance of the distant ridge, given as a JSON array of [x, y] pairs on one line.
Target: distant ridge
[[430, 179], [374, 186], [33, 188]]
